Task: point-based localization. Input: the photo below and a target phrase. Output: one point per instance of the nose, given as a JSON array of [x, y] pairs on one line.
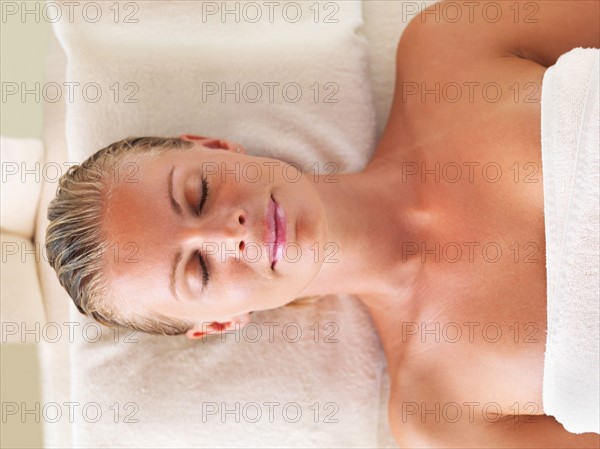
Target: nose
[[223, 231]]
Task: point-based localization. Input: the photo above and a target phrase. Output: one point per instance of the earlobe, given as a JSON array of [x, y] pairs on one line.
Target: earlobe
[[195, 334], [234, 323]]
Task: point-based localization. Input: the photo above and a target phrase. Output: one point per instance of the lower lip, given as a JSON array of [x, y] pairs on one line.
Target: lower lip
[[276, 232]]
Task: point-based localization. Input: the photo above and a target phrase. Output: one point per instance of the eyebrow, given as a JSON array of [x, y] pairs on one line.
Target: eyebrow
[[178, 258], [174, 203], [179, 254]]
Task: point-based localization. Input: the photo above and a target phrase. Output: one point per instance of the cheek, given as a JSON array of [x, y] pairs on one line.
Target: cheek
[[235, 284], [243, 288], [234, 187]]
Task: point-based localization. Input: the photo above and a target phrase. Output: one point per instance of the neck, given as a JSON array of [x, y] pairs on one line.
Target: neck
[[367, 221]]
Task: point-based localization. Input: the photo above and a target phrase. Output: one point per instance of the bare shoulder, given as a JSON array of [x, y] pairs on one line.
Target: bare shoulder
[[459, 84], [463, 31], [439, 416], [492, 432]]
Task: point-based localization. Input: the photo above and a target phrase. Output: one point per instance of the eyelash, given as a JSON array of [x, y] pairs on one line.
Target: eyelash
[[204, 270], [203, 197]]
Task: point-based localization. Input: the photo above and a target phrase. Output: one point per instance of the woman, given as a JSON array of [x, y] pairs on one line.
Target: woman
[[423, 248]]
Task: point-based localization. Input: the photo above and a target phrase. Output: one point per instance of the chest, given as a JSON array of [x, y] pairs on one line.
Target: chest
[[474, 329], [473, 342], [472, 332]]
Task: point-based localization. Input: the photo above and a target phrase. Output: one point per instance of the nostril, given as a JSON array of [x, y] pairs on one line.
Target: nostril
[[242, 245], [241, 219]]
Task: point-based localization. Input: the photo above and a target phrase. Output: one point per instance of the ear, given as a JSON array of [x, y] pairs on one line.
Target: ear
[[217, 144], [195, 334], [234, 323], [200, 330]]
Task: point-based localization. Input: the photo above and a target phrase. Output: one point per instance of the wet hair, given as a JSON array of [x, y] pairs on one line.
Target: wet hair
[[75, 237]]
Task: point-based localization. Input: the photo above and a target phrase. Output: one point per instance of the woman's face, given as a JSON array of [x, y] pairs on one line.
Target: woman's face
[[190, 233]]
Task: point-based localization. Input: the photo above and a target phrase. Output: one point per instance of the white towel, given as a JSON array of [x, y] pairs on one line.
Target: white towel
[[292, 90], [570, 148]]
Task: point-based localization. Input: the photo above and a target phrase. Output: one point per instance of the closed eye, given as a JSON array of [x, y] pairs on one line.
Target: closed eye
[[204, 275], [203, 195], [203, 270]]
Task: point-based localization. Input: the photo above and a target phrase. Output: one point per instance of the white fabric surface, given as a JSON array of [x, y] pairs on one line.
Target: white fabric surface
[[384, 22], [173, 59], [22, 177], [168, 379], [21, 304], [570, 150]]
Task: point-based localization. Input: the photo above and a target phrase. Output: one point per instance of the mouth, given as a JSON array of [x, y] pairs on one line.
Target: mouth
[[276, 232]]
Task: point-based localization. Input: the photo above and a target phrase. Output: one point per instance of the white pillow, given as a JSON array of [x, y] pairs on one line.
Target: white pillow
[[22, 176], [299, 91], [172, 56]]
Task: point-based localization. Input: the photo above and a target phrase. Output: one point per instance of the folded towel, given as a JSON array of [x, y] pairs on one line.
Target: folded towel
[[570, 147]]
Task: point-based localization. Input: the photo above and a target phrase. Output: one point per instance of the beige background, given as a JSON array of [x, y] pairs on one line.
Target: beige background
[[22, 48]]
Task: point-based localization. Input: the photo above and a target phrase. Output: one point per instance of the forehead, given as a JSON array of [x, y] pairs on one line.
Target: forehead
[[137, 215], [135, 187]]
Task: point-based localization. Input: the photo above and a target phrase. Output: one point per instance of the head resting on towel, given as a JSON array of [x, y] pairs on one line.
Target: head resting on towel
[[165, 235]]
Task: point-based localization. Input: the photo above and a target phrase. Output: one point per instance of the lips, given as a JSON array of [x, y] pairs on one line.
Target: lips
[[276, 231]]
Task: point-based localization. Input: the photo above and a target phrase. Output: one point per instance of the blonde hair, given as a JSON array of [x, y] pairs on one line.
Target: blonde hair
[[75, 239]]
